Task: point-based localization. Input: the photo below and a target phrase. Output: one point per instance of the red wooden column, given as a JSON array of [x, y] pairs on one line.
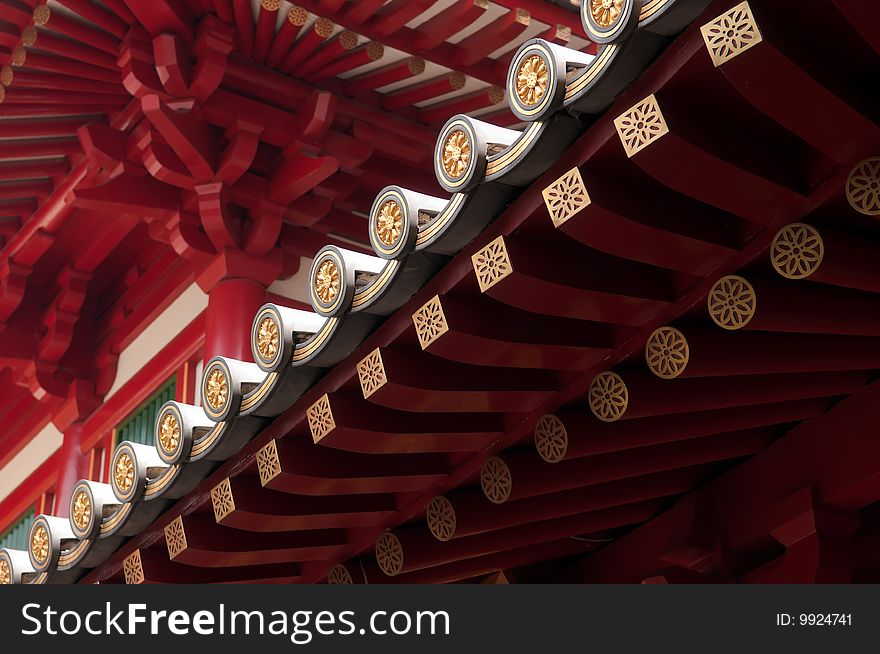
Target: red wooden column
[[73, 464], [236, 284]]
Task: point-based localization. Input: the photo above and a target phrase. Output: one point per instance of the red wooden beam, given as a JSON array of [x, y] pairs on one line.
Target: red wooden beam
[[335, 48], [360, 56], [106, 20], [306, 44], [465, 104], [423, 91], [495, 35], [63, 66], [397, 13], [390, 74], [267, 16], [549, 13], [284, 38], [244, 26], [73, 29], [455, 18]]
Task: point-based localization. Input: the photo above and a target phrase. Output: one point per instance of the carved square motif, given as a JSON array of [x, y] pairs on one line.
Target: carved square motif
[[133, 569], [321, 420], [566, 197], [492, 264], [430, 322], [371, 373], [731, 34], [175, 537], [268, 463], [641, 125], [222, 500]]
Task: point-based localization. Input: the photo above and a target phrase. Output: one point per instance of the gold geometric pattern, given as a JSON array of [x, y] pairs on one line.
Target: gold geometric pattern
[[440, 515], [371, 373], [732, 302], [667, 352], [566, 196], [496, 480], [389, 223], [430, 322], [5, 573], [124, 472], [133, 569], [863, 187], [456, 153], [82, 510], [492, 264], [608, 397], [267, 338], [641, 125], [270, 5], [169, 433], [41, 15], [339, 574], [731, 34], [327, 281], [217, 389], [551, 438], [606, 12], [268, 463], [40, 544], [532, 80], [797, 251], [389, 554], [320, 417], [175, 537], [222, 500]]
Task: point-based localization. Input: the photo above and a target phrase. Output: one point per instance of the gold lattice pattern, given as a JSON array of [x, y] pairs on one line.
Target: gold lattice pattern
[[551, 438], [41, 15], [133, 569], [169, 433], [496, 480], [222, 500], [492, 264], [268, 463], [440, 515], [268, 338], [320, 417], [389, 554], [532, 80], [217, 389], [371, 373], [339, 574], [327, 281], [5, 573], [641, 125], [863, 187], [566, 196], [606, 12], [175, 537], [389, 223], [797, 251], [271, 5], [123, 472], [667, 352], [608, 396], [430, 322], [82, 510], [731, 34], [456, 153], [732, 302], [40, 543]]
